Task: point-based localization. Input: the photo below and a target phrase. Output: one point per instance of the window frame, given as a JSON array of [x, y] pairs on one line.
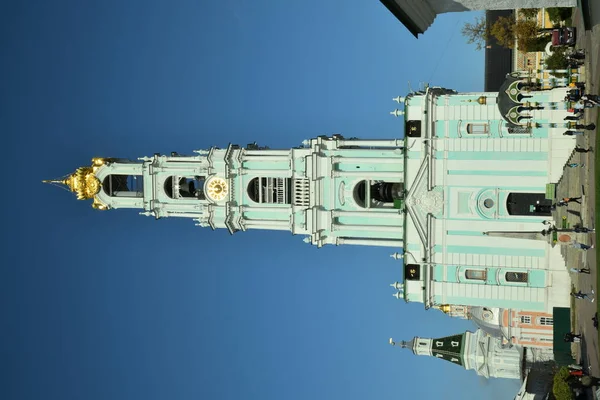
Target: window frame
[[521, 277], [478, 128], [476, 275]]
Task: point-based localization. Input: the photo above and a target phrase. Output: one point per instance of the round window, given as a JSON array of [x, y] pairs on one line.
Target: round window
[[488, 203]]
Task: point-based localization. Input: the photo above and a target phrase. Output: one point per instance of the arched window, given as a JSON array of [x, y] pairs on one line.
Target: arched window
[[478, 129], [270, 190], [476, 274], [378, 193], [177, 187], [123, 186], [521, 277], [529, 204], [360, 193]]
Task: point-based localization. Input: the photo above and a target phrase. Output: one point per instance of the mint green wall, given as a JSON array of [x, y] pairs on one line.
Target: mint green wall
[[490, 302], [266, 164], [507, 251], [493, 155], [370, 167]]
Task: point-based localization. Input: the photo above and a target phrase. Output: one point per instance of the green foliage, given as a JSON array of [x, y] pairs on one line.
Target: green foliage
[[507, 29], [503, 31], [558, 60], [560, 387], [526, 32], [529, 12], [559, 14], [476, 33], [537, 44]]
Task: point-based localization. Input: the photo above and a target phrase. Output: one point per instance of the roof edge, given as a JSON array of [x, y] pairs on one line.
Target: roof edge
[[403, 17]]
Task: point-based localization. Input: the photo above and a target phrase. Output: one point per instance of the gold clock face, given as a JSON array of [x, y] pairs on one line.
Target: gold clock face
[[216, 188]]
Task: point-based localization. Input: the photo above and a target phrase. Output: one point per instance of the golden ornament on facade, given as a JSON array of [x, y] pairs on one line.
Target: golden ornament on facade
[[84, 183], [216, 188]]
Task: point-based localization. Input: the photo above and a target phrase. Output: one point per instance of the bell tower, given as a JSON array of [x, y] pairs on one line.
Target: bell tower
[[332, 190]]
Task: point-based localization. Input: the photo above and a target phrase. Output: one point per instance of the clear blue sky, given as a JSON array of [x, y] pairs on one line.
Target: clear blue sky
[[112, 305]]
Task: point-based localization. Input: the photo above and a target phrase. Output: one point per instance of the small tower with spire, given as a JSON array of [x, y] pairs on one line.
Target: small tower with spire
[[478, 351]]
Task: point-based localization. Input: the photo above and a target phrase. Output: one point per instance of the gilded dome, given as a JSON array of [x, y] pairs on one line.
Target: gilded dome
[[84, 183]]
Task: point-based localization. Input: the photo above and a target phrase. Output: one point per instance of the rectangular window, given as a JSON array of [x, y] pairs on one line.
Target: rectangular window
[[548, 321], [519, 131], [477, 129], [476, 274], [526, 319], [522, 277]]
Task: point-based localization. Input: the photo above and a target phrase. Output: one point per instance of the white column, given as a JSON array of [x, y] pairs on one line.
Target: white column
[[366, 228], [266, 158], [271, 173], [266, 209], [269, 153], [372, 143], [371, 242], [374, 213], [266, 223], [372, 175], [269, 227], [358, 160]]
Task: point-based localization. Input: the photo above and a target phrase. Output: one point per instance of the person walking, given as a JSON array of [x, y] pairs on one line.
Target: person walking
[[570, 199], [583, 296], [579, 149], [575, 165], [572, 337], [581, 246], [589, 381], [588, 127], [591, 98], [580, 270], [575, 117], [581, 229]]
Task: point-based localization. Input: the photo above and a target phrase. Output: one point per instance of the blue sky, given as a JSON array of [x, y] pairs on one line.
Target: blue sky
[[99, 305]]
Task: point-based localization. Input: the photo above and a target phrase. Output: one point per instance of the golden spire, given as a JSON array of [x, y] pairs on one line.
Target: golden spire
[[84, 183]]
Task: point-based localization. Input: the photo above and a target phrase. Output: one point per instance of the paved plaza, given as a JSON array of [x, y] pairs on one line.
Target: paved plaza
[[580, 181]]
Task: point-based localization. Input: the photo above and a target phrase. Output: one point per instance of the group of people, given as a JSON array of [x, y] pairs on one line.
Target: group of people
[[575, 229], [579, 101]]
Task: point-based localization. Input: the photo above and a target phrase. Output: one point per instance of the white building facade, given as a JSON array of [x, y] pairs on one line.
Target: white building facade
[[464, 193]]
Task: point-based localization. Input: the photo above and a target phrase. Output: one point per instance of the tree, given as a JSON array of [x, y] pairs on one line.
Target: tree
[[537, 44], [526, 32], [559, 14], [502, 30], [507, 30], [477, 32], [560, 387], [529, 13], [557, 60]]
